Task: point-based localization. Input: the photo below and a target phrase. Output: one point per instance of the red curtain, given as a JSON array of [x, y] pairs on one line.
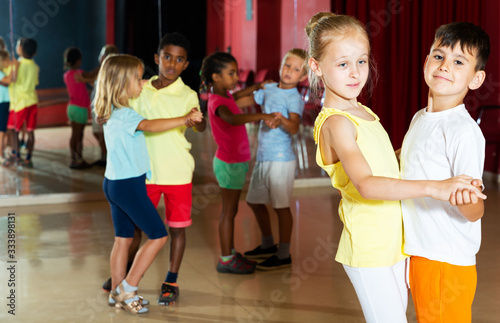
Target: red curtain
[[401, 33]]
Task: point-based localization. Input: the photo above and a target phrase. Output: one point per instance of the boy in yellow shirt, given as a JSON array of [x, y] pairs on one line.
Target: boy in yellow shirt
[[172, 166], [23, 100]]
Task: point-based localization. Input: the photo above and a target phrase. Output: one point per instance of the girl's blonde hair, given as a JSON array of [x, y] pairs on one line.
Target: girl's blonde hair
[[325, 27], [113, 82]]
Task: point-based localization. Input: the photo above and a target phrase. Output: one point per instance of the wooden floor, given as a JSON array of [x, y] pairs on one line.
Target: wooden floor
[[62, 253]]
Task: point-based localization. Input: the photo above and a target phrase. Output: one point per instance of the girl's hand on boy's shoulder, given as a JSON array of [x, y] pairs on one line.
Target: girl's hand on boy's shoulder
[[262, 85]]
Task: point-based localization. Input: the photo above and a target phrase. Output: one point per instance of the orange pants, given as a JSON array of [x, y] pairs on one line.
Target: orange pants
[[442, 292]]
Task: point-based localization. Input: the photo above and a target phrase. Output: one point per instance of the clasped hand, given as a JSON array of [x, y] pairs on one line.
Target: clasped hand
[[193, 118], [465, 196], [273, 120]]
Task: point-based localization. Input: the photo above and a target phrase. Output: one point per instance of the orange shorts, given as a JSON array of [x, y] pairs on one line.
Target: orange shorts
[[442, 292], [178, 201]]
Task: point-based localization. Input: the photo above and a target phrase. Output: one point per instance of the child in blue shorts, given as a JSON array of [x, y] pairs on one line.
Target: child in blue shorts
[[127, 167]]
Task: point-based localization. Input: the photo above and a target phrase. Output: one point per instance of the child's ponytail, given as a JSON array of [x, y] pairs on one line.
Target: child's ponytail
[[214, 63]]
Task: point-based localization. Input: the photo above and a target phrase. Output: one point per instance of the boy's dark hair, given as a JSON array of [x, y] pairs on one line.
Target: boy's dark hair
[[71, 56], [29, 46], [214, 64], [175, 39], [470, 37]]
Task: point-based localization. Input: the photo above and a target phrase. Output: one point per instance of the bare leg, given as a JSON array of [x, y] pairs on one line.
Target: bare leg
[[76, 141], [262, 215], [15, 142], [99, 136], [177, 247], [3, 140], [118, 260], [143, 259], [230, 199], [30, 145], [134, 246], [285, 220]]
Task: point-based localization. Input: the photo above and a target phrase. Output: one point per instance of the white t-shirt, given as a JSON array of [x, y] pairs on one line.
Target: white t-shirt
[[437, 146]]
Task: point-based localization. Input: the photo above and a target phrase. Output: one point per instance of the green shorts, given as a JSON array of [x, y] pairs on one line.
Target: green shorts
[[77, 114], [230, 176]]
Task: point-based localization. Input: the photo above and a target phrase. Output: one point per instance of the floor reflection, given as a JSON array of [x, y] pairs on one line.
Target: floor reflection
[[63, 258]]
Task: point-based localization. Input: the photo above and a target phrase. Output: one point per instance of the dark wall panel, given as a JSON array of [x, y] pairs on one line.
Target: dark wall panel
[[56, 25]]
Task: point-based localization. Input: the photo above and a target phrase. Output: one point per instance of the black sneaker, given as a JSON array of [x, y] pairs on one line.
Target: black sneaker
[[169, 293], [107, 285], [274, 262], [261, 253]]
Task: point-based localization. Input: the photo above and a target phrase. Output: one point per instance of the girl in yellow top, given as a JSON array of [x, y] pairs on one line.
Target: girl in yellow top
[[355, 150]]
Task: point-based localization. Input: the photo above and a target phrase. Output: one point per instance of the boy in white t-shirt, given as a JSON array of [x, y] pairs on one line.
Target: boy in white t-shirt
[[444, 141]]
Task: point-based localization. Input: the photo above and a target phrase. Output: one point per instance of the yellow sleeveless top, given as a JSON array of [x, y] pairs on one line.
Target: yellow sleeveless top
[[373, 230]]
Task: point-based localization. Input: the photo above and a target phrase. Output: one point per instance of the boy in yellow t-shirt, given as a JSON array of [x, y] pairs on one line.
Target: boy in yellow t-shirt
[[172, 166], [23, 100]]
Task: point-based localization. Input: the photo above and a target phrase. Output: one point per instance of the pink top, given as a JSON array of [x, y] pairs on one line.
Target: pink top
[[232, 141], [78, 94]]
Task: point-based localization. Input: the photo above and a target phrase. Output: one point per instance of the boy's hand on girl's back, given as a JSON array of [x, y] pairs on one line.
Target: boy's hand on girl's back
[[100, 120], [78, 77], [193, 118], [466, 196]]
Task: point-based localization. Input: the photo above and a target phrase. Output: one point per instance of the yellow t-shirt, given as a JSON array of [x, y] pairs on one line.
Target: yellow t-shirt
[[373, 230], [22, 92], [171, 162]]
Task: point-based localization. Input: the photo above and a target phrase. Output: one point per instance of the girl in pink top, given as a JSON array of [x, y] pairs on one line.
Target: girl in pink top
[[220, 73], [79, 103]]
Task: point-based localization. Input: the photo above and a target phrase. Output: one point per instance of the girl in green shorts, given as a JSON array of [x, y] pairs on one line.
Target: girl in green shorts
[[79, 103]]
